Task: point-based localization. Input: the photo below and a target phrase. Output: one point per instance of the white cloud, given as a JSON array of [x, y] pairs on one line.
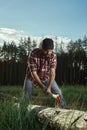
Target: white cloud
[[8, 34]]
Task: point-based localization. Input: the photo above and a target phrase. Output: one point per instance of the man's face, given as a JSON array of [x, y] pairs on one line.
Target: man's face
[[47, 52]]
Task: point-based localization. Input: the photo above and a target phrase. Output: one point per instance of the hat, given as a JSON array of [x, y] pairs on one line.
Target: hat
[[47, 44]]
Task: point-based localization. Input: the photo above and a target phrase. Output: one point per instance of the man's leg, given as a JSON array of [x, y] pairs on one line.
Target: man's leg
[[56, 90], [27, 89]]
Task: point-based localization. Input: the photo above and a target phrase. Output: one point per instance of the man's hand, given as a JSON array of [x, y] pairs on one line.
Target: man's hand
[[48, 90], [44, 89]]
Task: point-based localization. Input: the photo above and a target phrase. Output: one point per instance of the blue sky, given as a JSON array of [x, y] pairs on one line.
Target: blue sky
[[67, 18]]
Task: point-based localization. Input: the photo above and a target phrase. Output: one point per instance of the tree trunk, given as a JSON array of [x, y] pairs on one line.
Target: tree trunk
[[63, 119]]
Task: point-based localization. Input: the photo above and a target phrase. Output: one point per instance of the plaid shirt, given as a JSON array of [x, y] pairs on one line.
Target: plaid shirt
[[40, 63]]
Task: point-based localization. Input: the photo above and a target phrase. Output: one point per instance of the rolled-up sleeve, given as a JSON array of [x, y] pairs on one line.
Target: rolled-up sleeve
[[54, 61], [33, 62]]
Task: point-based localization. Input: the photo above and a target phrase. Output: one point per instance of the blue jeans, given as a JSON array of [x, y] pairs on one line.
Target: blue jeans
[[56, 90], [28, 88]]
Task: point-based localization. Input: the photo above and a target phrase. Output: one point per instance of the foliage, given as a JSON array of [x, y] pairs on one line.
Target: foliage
[[76, 97], [13, 117], [12, 52]]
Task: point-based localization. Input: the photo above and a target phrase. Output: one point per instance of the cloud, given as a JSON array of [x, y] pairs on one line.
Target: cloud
[[8, 35]]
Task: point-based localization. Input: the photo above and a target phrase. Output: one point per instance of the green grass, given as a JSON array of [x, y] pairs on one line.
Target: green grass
[[12, 90], [76, 97], [12, 118]]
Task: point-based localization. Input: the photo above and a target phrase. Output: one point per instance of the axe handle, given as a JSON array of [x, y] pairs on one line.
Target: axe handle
[[54, 95]]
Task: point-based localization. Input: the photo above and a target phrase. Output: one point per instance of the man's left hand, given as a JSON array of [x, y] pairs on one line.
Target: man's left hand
[[48, 90]]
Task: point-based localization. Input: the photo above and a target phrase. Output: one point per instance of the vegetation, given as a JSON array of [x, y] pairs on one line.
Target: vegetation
[[76, 97], [12, 118], [71, 69]]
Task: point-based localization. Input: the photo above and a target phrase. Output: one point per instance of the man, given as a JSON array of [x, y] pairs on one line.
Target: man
[[41, 70]]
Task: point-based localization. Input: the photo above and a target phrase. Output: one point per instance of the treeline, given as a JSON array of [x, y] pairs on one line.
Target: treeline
[[71, 66]]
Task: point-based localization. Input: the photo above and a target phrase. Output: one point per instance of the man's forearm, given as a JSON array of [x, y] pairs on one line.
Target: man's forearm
[[37, 79], [52, 78]]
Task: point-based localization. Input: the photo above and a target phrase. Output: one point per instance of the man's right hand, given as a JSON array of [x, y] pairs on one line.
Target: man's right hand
[[44, 89]]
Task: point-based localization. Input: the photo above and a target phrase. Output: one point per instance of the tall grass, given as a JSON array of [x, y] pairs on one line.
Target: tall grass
[[76, 97], [13, 117]]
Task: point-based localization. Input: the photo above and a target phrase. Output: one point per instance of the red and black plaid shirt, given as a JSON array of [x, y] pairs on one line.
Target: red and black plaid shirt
[[41, 63]]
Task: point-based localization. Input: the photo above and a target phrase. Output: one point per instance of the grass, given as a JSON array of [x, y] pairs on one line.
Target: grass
[[12, 90], [12, 118], [76, 97]]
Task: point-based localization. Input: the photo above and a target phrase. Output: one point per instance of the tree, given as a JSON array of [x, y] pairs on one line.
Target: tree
[[25, 48], [12, 51], [22, 53], [76, 60], [4, 51]]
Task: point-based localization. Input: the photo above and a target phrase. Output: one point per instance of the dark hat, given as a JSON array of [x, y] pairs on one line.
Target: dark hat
[[47, 44]]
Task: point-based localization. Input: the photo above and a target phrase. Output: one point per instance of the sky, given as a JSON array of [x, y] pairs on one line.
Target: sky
[[62, 18]]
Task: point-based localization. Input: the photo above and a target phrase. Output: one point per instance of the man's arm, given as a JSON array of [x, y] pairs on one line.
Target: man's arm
[[52, 78], [37, 79], [52, 71]]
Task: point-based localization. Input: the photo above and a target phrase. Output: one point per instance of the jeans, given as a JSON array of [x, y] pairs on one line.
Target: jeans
[[56, 90], [28, 90]]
